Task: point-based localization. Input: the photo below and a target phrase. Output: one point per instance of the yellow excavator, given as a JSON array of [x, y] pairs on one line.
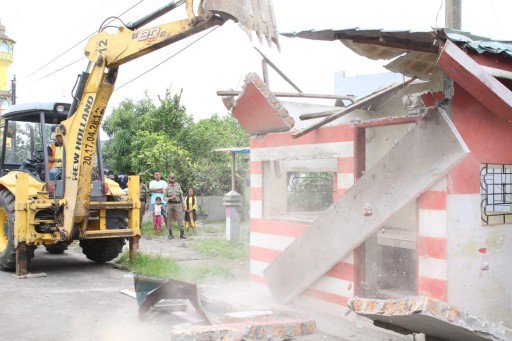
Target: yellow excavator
[[79, 202]]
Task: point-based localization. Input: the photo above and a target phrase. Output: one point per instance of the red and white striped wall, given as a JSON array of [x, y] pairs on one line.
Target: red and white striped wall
[[271, 236], [344, 177], [432, 242], [256, 189]]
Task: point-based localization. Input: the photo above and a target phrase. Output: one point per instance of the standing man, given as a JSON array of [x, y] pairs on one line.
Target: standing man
[[55, 155], [156, 188], [144, 200], [174, 198]]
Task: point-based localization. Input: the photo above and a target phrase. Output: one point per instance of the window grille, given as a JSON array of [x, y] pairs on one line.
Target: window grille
[[309, 192], [495, 190]]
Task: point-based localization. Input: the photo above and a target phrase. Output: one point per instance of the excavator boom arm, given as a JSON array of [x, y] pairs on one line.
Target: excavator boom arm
[[106, 52]]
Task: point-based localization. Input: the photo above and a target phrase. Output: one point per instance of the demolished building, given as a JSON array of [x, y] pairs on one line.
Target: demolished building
[[405, 192]]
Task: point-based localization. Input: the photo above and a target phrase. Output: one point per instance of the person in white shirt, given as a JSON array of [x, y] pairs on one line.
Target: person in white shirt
[[156, 188]]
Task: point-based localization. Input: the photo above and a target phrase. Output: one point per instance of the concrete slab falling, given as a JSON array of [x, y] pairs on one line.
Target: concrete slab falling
[[258, 110], [413, 165], [425, 315]]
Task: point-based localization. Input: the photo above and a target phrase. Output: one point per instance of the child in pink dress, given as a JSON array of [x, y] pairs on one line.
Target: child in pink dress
[[158, 215]]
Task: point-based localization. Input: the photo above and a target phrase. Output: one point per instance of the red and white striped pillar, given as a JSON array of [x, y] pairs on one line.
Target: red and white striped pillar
[[432, 242]]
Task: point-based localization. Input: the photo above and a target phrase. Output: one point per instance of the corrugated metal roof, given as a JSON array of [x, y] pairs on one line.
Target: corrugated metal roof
[[419, 64], [412, 53], [480, 44]]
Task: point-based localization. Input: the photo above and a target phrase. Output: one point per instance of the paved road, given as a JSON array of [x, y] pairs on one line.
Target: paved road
[[78, 300], [81, 300]]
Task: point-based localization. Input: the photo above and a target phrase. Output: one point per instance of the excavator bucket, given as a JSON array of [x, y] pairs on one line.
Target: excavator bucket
[[251, 15]]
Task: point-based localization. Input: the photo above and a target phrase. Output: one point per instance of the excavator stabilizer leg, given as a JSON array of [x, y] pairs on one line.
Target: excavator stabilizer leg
[[251, 15], [21, 260]]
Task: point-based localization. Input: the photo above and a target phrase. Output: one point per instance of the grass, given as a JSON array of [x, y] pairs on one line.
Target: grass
[[213, 227], [220, 248], [148, 232], [163, 267]]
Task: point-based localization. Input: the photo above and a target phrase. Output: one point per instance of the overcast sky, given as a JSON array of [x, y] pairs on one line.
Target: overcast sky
[[44, 30]]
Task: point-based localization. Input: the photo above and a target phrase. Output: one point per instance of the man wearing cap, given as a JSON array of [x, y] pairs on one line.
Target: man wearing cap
[[174, 197], [55, 155]]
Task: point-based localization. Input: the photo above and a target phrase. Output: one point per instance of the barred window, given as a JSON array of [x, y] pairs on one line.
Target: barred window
[[495, 191], [309, 191], [298, 189]]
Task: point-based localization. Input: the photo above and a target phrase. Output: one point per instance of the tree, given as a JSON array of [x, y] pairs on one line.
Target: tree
[[169, 118], [145, 138], [211, 133], [213, 169], [156, 152], [120, 127]]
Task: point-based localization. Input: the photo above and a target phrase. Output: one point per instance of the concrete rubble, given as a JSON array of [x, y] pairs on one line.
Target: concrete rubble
[[419, 314], [195, 317], [256, 330]]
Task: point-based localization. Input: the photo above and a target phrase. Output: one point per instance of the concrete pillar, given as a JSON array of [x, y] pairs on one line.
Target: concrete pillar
[[232, 202], [453, 14]]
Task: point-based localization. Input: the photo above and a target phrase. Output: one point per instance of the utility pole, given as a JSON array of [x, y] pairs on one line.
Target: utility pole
[[13, 90], [453, 14]]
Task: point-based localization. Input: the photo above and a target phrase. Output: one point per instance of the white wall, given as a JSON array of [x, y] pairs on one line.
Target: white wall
[[486, 293]]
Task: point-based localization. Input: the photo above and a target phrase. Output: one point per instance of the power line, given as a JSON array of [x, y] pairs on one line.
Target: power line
[[60, 69], [438, 11], [79, 43], [165, 60]]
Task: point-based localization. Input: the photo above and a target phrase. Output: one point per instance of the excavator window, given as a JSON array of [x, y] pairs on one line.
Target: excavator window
[[24, 146], [25, 139]]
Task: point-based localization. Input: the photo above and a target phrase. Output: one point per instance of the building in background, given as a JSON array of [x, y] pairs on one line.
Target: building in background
[[6, 59]]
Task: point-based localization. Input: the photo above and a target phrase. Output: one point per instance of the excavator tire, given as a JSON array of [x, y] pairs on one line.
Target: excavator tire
[[57, 249], [7, 249], [104, 250]]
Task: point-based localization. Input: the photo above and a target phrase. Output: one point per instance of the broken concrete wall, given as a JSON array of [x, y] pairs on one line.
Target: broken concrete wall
[[387, 187], [379, 140], [455, 253], [391, 258], [329, 149], [479, 271], [274, 155]]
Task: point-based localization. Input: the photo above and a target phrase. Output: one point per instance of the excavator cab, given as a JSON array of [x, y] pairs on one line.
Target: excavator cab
[[28, 131]]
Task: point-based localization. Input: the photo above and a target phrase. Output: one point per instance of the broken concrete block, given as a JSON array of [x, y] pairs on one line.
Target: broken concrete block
[[258, 110], [431, 317], [247, 331]]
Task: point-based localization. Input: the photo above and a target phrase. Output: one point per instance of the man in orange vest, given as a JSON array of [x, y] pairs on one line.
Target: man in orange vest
[[55, 155]]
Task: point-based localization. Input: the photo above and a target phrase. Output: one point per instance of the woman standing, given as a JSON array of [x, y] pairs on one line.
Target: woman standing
[[190, 210]]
